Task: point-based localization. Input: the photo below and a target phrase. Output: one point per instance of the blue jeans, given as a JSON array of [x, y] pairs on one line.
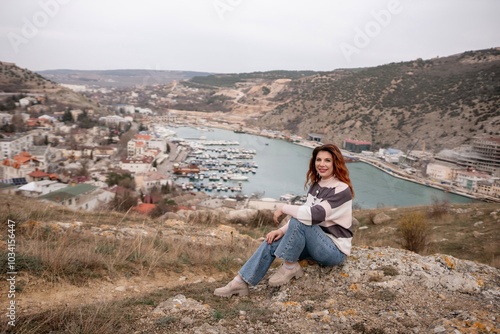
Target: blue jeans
[[299, 242]]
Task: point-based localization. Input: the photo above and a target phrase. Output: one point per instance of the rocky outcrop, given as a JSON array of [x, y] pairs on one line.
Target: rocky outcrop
[[377, 290]]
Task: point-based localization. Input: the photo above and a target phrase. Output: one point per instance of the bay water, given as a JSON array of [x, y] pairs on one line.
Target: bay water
[[282, 167]]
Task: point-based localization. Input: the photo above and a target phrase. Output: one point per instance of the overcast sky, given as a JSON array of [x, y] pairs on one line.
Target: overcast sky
[[228, 36]]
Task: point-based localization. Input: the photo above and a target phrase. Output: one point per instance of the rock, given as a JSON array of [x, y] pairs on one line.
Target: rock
[[241, 214], [477, 234], [439, 329], [179, 303], [381, 218], [377, 290]]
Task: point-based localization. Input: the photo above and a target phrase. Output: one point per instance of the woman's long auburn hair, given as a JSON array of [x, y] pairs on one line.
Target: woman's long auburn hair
[[339, 167]]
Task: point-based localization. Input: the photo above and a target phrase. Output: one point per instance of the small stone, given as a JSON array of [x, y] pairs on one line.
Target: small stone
[[439, 329]]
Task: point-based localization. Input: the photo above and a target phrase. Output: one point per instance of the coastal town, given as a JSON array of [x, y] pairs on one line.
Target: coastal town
[[136, 157]]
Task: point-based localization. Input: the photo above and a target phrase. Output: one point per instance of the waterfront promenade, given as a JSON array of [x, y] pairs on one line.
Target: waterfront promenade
[[395, 171]]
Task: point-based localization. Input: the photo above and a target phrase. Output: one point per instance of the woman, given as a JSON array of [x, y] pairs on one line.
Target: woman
[[319, 230]]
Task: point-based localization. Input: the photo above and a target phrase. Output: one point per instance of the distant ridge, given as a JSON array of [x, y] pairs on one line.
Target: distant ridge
[[118, 77]]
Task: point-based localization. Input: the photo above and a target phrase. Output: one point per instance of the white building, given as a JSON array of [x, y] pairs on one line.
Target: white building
[[126, 108], [149, 180], [137, 165], [144, 111], [112, 120], [135, 148], [40, 188], [142, 143], [80, 197], [442, 171], [489, 188], [24, 102], [390, 155], [158, 143], [469, 180], [75, 88], [10, 146]]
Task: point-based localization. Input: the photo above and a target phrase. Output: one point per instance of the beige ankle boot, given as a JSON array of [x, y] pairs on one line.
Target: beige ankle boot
[[283, 275], [232, 288]]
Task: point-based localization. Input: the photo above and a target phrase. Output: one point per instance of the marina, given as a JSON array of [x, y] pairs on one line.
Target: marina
[[213, 166]]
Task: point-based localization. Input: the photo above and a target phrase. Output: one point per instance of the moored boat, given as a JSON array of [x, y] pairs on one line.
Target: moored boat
[[238, 177]]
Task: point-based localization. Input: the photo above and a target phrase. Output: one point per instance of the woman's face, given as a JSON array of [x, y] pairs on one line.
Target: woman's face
[[324, 164]]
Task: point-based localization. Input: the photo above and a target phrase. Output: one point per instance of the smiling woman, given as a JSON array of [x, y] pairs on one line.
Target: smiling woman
[[319, 230]]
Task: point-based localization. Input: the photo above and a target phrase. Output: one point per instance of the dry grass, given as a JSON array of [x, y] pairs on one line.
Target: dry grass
[[473, 234], [79, 258], [21, 210], [110, 317], [206, 218]]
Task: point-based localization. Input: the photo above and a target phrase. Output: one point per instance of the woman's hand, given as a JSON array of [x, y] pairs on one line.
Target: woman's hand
[[277, 214], [274, 235]]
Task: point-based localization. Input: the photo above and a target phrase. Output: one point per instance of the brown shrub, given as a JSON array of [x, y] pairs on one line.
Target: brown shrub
[[415, 231]]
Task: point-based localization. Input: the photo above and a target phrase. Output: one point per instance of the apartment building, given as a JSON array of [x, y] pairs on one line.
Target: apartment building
[[489, 188], [141, 143], [469, 179], [13, 145], [484, 155], [137, 165]]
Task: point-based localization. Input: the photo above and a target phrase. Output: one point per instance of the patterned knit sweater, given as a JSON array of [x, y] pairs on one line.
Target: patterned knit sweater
[[329, 205]]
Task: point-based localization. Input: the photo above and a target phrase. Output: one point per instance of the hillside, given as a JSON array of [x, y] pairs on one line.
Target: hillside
[[16, 80], [441, 102], [109, 272], [230, 80], [437, 103]]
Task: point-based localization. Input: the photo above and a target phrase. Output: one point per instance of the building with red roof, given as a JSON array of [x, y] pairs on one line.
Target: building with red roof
[[20, 165]]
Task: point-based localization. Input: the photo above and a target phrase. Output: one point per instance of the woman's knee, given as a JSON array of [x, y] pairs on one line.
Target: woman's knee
[[293, 222]]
